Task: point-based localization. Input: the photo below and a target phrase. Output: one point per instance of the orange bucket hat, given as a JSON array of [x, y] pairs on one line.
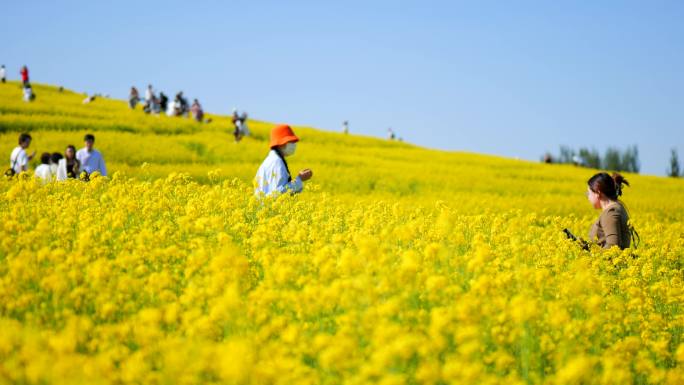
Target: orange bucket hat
[[282, 134]]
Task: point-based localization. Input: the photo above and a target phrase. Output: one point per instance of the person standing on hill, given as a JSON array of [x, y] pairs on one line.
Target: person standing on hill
[[156, 105], [149, 93], [29, 96], [181, 104], [345, 127], [19, 159], [163, 102], [235, 119], [244, 130], [89, 158], [171, 108], [24, 75], [149, 100], [3, 74], [196, 111], [273, 176], [133, 98], [237, 132], [612, 227]]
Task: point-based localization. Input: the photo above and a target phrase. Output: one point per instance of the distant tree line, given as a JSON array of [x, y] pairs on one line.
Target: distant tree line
[[613, 159], [674, 170]]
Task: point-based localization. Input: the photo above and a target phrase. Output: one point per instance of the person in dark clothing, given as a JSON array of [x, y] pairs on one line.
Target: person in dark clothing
[[237, 124], [182, 104], [163, 101], [196, 111], [133, 98]]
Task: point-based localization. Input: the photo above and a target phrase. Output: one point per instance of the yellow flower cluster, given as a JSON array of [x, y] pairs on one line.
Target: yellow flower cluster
[[175, 282], [396, 265]]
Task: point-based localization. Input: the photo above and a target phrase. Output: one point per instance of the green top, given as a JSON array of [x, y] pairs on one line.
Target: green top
[[612, 227]]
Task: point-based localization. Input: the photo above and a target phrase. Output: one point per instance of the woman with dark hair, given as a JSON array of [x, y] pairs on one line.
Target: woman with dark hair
[[133, 98], [69, 166], [196, 111], [612, 227], [273, 176]]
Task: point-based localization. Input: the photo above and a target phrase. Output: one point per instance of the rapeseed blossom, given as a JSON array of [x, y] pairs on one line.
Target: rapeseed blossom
[[127, 281]]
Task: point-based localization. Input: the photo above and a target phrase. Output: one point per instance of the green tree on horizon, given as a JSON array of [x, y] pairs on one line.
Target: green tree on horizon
[[674, 170]]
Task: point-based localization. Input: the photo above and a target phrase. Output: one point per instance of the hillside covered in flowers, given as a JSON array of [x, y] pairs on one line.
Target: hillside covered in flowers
[[395, 265]]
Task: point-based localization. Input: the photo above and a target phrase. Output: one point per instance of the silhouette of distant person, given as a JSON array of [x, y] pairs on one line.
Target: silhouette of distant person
[[24, 75], [133, 98], [196, 111]]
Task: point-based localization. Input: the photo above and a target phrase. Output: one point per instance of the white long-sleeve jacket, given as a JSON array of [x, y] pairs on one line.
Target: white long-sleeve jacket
[[91, 161], [272, 177], [62, 170], [44, 172]]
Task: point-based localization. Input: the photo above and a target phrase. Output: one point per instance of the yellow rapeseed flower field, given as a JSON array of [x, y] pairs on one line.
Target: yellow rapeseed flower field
[[396, 265]]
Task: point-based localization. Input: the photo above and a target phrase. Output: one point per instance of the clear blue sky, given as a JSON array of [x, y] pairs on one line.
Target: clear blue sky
[[507, 78]]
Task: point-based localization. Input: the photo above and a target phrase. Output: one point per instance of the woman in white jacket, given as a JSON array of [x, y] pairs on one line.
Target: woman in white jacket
[[69, 166], [273, 176]]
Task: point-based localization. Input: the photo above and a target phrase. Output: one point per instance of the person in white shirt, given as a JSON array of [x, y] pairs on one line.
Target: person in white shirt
[[54, 162], [44, 171], [149, 93], [243, 124], [171, 110], [68, 166], [156, 107], [3, 74], [273, 176], [19, 159], [149, 100], [89, 158], [28, 93]]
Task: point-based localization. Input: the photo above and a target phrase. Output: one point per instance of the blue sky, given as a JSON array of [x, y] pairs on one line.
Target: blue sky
[[509, 78]]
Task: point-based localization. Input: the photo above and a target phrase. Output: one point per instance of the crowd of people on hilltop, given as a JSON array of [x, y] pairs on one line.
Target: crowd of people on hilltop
[[56, 166], [156, 104], [179, 106], [151, 104]]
